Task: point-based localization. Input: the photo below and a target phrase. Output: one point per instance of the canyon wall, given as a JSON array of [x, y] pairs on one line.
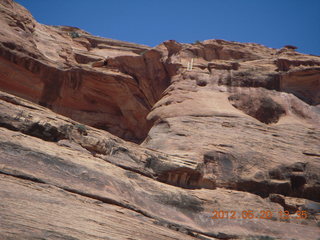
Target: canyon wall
[[105, 139]]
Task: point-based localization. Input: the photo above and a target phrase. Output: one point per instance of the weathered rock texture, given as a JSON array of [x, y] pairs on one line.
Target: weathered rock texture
[[238, 132], [65, 69]]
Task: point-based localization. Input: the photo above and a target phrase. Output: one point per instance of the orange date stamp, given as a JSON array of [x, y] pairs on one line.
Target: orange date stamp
[[263, 214]]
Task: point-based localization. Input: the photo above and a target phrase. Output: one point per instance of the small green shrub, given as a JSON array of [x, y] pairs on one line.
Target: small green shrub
[[197, 42], [261, 238], [143, 52], [81, 129], [75, 34], [290, 47]]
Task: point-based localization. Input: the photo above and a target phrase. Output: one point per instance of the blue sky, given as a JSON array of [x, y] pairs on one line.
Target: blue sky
[[273, 23]]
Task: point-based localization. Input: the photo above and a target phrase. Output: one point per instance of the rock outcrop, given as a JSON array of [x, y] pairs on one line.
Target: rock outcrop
[[223, 128], [104, 83]]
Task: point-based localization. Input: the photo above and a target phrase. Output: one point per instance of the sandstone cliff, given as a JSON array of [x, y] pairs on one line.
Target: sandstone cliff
[[104, 139]]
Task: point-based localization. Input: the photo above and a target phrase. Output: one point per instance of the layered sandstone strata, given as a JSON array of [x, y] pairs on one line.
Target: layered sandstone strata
[[237, 131]]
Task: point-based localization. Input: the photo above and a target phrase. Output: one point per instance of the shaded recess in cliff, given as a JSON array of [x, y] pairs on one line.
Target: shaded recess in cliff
[[117, 102]]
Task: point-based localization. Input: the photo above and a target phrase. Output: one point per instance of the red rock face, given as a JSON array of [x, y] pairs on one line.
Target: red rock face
[[220, 125], [58, 69], [64, 68]]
